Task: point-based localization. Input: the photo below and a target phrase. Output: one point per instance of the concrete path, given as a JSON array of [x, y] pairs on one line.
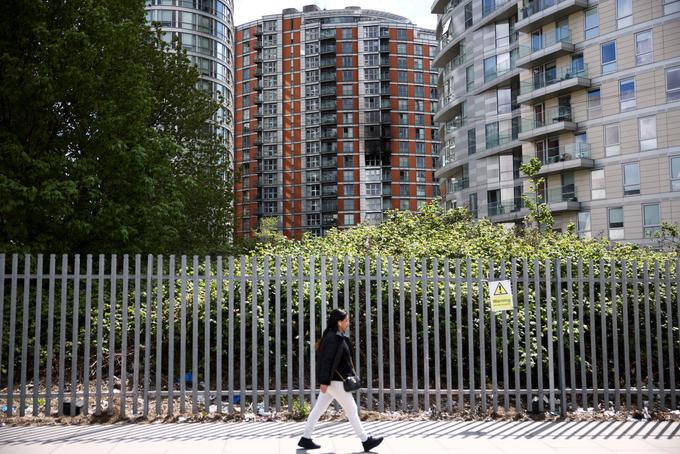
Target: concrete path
[[400, 437]]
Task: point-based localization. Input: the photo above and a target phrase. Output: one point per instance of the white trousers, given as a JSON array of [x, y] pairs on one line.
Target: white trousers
[[345, 399]]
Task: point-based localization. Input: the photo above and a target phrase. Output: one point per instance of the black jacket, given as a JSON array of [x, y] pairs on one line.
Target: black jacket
[[328, 360]]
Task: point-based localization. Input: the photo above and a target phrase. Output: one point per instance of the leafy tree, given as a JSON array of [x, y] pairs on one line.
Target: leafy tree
[[539, 216], [103, 138]]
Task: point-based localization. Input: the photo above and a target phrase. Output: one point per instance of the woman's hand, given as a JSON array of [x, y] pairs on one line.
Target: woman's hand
[[324, 388]]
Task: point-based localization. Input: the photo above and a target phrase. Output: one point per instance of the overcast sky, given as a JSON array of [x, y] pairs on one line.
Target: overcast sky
[[417, 11]]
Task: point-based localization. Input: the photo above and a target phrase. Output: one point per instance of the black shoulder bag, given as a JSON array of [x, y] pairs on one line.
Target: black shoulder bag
[[353, 382]]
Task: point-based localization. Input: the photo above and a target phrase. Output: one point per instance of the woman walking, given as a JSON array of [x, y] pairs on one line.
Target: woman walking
[[333, 365]]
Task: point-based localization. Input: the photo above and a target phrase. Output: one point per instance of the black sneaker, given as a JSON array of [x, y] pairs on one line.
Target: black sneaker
[[371, 443], [307, 443]]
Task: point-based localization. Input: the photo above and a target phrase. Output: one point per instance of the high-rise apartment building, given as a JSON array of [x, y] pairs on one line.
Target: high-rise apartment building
[[205, 29], [334, 119], [591, 88]]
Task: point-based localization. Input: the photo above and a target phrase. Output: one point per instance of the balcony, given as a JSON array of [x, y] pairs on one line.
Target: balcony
[[327, 49], [537, 13], [328, 76], [553, 121], [502, 142], [496, 10], [439, 6], [327, 34], [259, 100], [258, 45], [506, 210], [549, 48], [327, 62], [257, 73], [563, 199], [328, 91], [552, 83], [329, 134], [573, 156], [258, 113], [258, 31], [493, 78], [448, 108], [457, 184], [329, 105], [258, 87], [448, 46], [329, 119]]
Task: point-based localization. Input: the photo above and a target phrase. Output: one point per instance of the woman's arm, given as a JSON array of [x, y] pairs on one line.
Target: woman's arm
[[329, 348]]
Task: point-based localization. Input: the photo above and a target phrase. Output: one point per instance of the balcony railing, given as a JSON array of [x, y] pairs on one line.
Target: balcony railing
[[327, 34], [505, 206], [328, 105], [458, 184], [328, 49], [536, 6], [328, 76], [545, 42], [566, 193], [329, 134], [550, 116], [496, 140], [566, 152], [553, 76], [489, 6], [499, 71]]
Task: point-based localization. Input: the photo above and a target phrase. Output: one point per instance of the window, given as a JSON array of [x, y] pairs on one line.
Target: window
[[673, 84], [594, 104], [592, 24], [503, 100], [624, 13], [401, 34], [470, 77], [347, 62], [627, 93], [631, 179], [597, 184], [349, 219], [608, 57], [616, 223], [346, 47], [472, 141], [584, 224], [644, 49], [401, 48], [612, 145], [671, 6], [472, 204], [346, 33], [647, 127], [468, 15], [371, 45], [651, 220], [312, 76], [502, 34], [489, 68], [270, 193], [675, 173]]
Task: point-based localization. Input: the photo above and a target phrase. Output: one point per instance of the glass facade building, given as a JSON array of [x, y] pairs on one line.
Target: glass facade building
[[205, 29]]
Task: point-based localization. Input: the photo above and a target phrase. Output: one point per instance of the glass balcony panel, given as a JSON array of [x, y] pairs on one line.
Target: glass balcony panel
[[553, 76]]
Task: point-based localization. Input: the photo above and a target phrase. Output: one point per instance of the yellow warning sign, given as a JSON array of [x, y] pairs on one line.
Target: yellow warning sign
[[501, 296], [500, 290]]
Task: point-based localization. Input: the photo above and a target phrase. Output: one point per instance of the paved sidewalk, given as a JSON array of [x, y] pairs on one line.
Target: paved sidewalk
[[401, 437]]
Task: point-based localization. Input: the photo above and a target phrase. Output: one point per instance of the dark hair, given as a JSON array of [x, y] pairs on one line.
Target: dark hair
[[336, 316]]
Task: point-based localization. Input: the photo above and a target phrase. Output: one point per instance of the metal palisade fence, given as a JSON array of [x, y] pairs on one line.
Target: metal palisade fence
[[159, 335]]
